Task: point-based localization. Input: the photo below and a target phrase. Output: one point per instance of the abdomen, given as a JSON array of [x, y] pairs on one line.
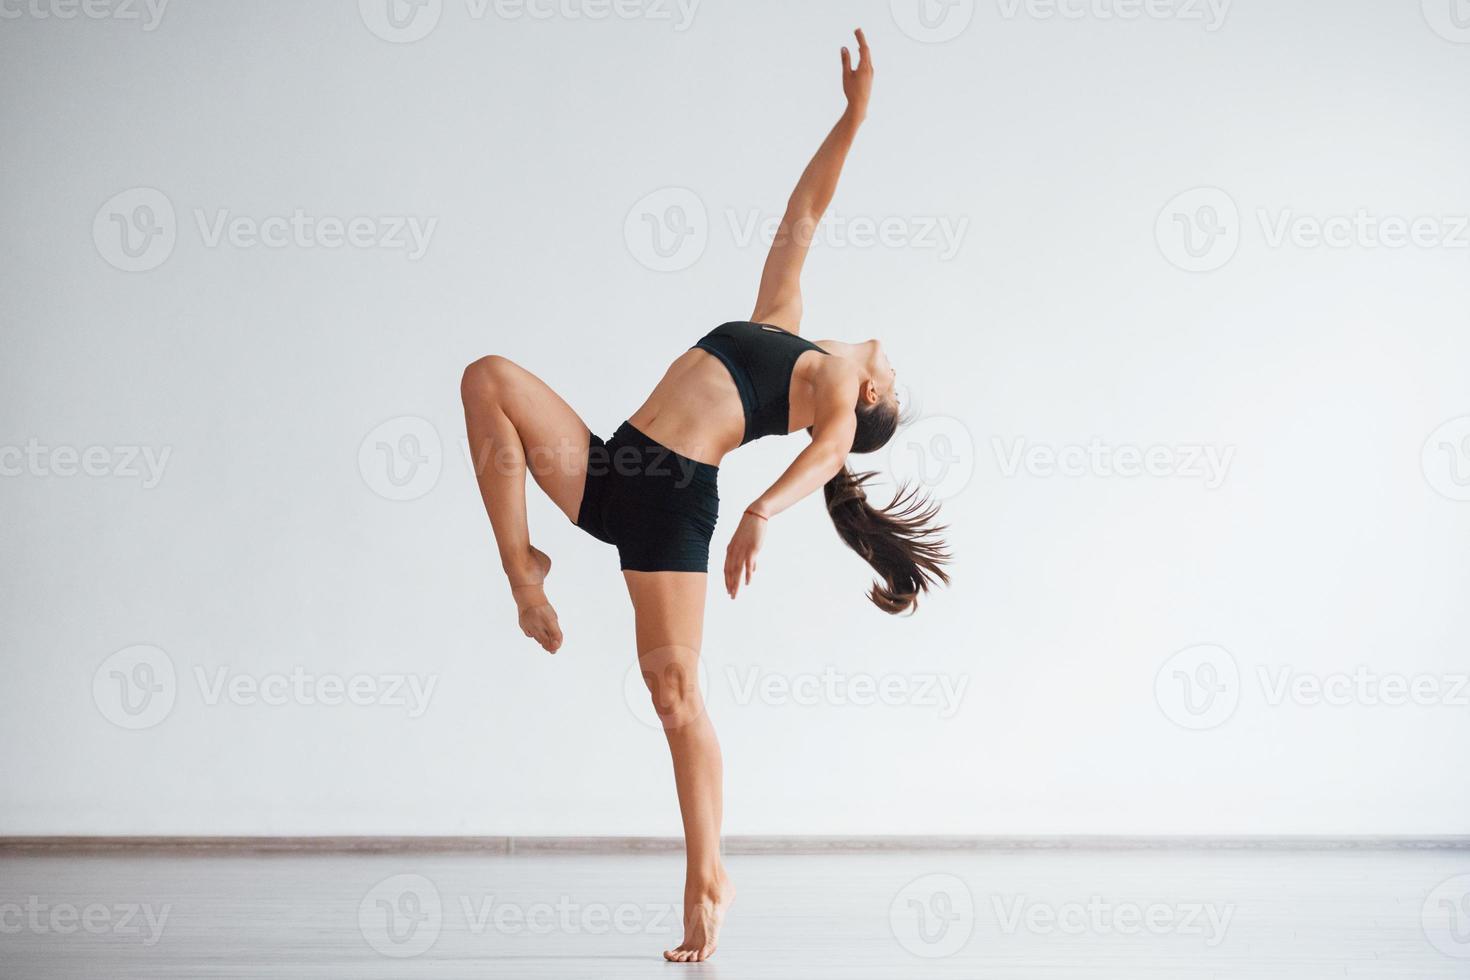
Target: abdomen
[[694, 410]]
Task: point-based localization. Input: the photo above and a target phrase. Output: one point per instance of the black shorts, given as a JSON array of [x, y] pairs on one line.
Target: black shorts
[[657, 507]]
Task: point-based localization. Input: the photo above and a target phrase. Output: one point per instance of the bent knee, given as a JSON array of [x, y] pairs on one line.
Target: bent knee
[[486, 377]]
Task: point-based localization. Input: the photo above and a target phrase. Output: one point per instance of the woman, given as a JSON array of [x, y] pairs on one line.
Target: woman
[[650, 490]]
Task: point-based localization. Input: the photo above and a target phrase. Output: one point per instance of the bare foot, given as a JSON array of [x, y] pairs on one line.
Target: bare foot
[[537, 618], [704, 913]]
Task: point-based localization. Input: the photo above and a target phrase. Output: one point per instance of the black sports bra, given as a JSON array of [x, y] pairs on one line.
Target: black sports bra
[[761, 358]]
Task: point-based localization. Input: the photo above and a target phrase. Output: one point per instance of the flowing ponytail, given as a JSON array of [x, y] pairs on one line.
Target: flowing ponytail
[[901, 541]]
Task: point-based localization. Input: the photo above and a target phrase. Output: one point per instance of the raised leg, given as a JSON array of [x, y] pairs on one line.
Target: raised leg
[[516, 423], [668, 612]]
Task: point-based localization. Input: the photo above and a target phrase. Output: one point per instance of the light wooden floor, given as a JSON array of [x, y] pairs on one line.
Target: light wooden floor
[[1175, 915]]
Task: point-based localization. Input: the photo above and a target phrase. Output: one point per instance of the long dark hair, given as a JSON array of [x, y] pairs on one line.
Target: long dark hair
[[901, 541]]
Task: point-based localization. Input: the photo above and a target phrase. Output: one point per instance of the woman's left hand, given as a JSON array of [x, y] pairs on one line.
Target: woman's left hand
[[740, 555], [857, 83]]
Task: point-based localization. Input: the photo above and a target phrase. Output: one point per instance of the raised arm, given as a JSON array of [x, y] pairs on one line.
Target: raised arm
[[779, 300]]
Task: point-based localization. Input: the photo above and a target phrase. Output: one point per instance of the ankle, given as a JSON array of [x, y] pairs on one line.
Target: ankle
[[527, 596], [525, 569], [706, 884]]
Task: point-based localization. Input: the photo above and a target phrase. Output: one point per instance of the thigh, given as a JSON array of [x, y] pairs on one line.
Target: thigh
[[553, 436], [668, 610]]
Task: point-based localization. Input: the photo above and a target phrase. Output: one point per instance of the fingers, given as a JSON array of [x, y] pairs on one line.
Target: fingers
[[846, 60], [735, 565], [862, 40]]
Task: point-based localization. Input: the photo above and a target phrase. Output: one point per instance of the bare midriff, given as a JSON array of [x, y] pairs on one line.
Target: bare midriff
[[695, 409]]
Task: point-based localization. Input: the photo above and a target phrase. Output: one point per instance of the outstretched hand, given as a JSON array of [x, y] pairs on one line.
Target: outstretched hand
[[857, 83], [740, 555]]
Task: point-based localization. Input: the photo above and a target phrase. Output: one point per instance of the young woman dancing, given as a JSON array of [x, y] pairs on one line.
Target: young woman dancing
[[650, 490]]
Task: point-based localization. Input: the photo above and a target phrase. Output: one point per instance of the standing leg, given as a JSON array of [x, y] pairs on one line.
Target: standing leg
[[668, 611], [517, 423]]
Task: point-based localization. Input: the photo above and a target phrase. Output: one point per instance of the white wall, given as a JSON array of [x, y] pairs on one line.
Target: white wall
[[1051, 146]]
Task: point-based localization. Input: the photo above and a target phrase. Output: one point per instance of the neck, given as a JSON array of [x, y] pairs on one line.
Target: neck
[[859, 354]]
